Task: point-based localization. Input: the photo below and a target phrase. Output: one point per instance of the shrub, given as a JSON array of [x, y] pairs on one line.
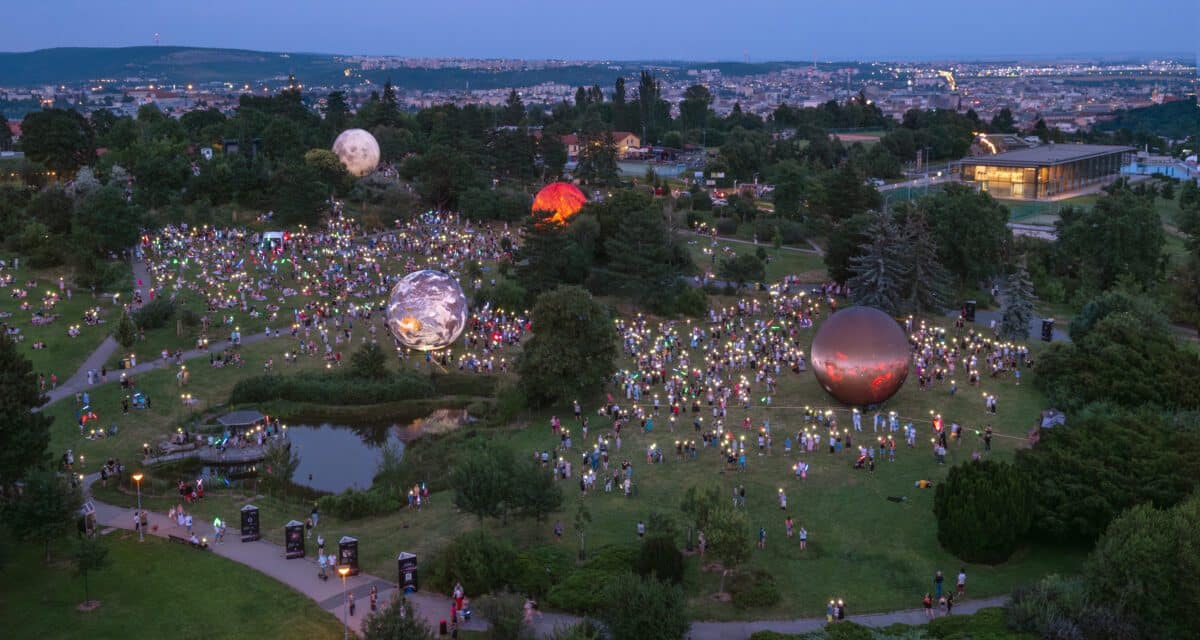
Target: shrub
[[659, 610], [505, 613], [1058, 608], [333, 389], [983, 510], [580, 592], [659, 557], [727, 226], [789, 232], [478, 560], [154, 314], [369, 362], [754, 589], [540, 568], [352, 505]]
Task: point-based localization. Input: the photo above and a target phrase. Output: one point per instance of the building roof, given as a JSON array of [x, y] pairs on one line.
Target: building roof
[[1048, 154]]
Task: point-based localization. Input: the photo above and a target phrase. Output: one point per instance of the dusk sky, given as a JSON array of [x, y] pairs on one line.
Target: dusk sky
[[620, 29]]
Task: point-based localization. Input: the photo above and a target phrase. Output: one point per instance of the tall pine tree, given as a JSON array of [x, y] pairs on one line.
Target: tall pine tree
[[549, 256], [24, 433], [880, 270], [1016, 312], [927, 280], [640, 256]]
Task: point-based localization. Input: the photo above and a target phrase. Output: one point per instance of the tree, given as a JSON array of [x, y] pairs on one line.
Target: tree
[[1016, 314], [728, 537], [26, 433], [1139, 564], [880, 270], [482, 482], [1003, 121], [573, 348], [535, 494], [90, 555], [1106, 460], [45, 509], [441, 175], [1120, 234], [125, 333], [106, 223], [696, 504], [298, 194], [1123, 359], [514, 109], [61, 139], [5, 134], [597, 158], [743, 268], [693, 109], [549, 256], [971, 230], [370, 361], [641, 256], [583, 519], [658, 610], [793, 188], [396, 622], [337, 112], [280, 467], [328, 167], [554, 155], [658, 557], [983, 510], [846, 240], [52, 207], [927, 280]]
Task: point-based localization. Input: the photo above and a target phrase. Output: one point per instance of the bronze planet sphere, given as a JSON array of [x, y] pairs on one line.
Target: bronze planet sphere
[[860, 356]]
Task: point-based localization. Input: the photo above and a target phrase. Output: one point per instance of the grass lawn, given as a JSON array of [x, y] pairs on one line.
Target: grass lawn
[[63, 354], [781, 262], [880, 554], [154, 590]]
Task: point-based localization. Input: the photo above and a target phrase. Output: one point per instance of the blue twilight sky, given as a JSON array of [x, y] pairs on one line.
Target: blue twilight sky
[[621, 29]]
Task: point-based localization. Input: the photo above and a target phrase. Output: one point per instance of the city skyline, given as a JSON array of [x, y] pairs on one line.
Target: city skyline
[[671, 31]]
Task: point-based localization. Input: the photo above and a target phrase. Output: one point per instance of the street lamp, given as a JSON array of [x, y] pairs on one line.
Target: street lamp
[[345, 571], [137, 477]]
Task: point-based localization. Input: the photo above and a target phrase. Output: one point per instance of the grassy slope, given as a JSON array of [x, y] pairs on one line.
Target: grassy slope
[[154, 590], [63, 354]]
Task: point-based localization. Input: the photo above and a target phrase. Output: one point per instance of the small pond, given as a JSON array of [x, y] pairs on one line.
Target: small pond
[[334, 457]]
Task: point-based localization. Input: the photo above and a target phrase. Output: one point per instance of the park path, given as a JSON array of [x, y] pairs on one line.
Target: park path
[[301, 574]]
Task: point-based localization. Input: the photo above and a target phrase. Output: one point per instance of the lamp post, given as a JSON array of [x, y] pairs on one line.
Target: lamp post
[[137, 478], [345, 571]]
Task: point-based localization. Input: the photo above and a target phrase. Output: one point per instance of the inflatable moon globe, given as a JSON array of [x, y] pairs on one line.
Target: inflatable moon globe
[[860, 356], [358, 150], [561, 198], [427, 310]]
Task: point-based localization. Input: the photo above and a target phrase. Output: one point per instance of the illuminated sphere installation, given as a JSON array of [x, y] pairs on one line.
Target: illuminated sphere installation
[[562, 198], [358, 150], [427, 310], [860, 356]]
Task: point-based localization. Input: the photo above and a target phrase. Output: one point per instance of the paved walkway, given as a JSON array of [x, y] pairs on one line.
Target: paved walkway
[[301, 574], [814, 250]]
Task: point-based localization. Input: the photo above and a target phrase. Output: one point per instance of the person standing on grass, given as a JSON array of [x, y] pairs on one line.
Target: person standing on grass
[[961, 583], [315, 515], [927, 604], [938, 579], [803, 538]]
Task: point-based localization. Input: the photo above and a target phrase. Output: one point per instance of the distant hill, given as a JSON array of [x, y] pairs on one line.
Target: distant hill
[[1176, 120], [183, 65], [168, 64]]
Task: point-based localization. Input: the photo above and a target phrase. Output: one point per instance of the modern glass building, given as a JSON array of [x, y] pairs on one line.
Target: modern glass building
[[1047, 171]]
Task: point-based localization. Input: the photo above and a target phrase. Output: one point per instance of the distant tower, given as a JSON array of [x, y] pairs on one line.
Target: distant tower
[[746, 55], [156, 42]]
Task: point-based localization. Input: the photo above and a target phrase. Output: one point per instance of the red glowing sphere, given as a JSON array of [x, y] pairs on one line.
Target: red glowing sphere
[[860, 356], [561, 198]]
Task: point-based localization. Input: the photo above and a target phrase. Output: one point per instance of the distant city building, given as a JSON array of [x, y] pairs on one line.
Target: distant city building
[[1046, 172]]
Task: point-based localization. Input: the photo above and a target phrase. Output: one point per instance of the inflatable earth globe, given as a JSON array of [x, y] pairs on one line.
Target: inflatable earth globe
[[860, 356], [358, 150], [427, 310]]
